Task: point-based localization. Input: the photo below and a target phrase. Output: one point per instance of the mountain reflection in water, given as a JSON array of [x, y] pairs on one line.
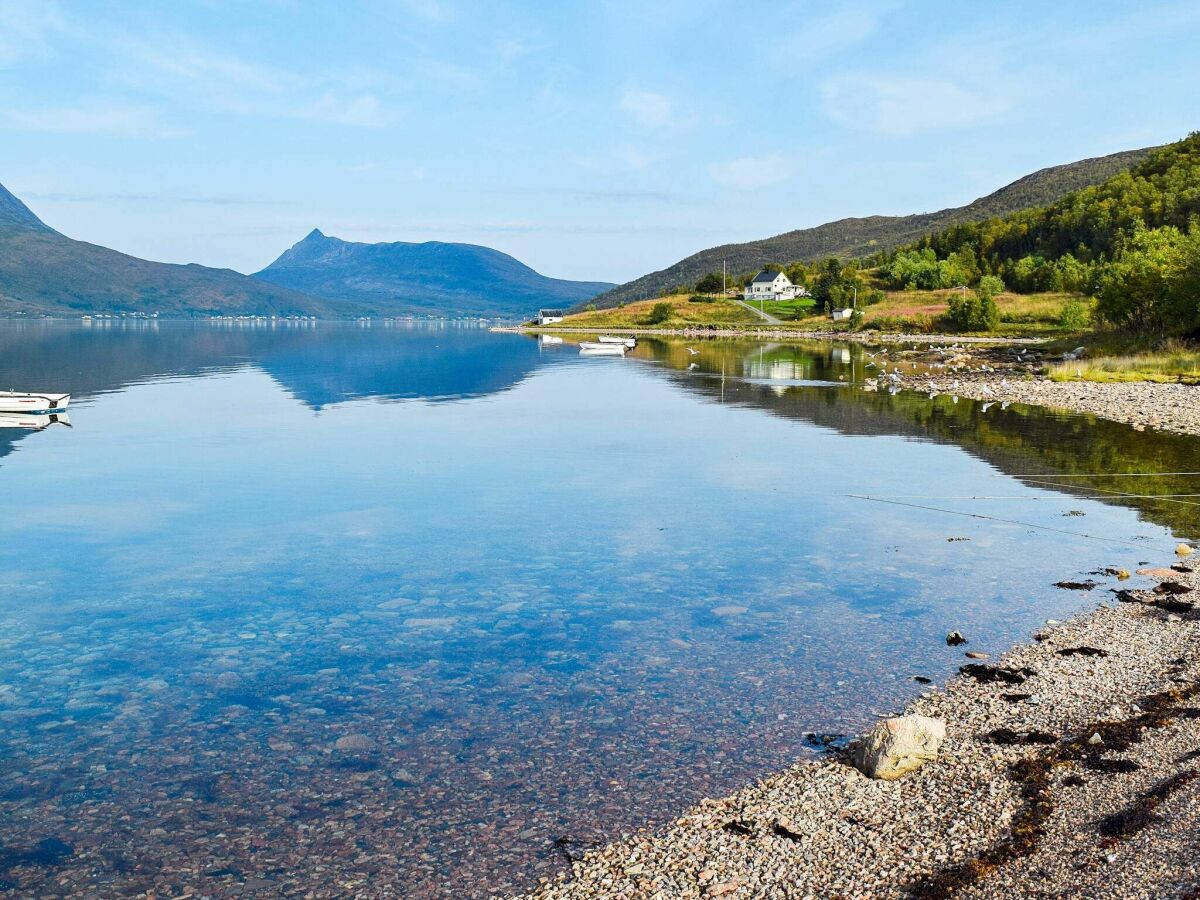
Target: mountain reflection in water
[[493, 595]]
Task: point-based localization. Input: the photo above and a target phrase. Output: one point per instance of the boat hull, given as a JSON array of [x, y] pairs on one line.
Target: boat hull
[[13, 402], [589, 348]]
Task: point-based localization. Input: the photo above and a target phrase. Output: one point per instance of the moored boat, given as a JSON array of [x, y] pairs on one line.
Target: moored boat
[[612, 339], [594, 348], [17, 402]]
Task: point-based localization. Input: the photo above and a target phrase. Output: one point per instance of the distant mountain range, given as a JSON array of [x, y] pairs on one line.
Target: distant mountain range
[[861, 236], [43, 272], [425, 279]]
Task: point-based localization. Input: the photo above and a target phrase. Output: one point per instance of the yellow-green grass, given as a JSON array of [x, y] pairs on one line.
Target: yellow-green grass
[[684, 312], [1172, 364], [916, 311]]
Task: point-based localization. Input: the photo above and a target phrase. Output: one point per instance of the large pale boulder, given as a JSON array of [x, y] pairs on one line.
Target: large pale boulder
[[895, 747]]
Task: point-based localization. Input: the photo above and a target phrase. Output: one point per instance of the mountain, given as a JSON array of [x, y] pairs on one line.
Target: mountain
[[15, 214], [432, 278], [861, 236], [43, 272]]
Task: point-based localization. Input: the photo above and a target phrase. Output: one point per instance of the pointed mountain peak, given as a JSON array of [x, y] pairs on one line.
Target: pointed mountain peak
[[15, 214], [315, 235]]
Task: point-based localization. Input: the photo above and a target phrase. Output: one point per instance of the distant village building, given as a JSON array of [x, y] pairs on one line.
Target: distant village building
[[841, 315], [768, 285], [549, 316]]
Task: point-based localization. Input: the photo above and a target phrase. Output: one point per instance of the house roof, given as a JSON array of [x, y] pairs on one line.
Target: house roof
[[550, 312], [765, 276]]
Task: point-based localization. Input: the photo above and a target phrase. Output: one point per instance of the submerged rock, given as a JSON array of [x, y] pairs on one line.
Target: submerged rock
[[954, 638], [355, 743], [900, 745]]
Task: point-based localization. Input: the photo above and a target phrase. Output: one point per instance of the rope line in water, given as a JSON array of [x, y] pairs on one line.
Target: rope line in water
[[956, 512], [1091, 475], [1104, 496], [1108, 491]]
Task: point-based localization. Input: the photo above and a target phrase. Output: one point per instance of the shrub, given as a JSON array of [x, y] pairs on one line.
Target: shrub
[[856, 320], [991, 285], [659, 313], [700, 298], [973, 312], [1074, 316]]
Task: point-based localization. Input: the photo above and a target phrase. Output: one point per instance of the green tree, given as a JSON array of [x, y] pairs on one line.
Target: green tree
[[659, 313], [709, 284], [1150, 288]]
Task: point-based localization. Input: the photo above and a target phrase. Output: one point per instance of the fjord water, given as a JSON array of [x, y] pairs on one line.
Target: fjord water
[[423, 609]]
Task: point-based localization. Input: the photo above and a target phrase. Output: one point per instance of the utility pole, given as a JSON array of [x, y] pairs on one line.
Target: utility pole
[[723, 288]]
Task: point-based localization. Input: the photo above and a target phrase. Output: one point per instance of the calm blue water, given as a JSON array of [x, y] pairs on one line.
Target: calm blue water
[[533, 596]]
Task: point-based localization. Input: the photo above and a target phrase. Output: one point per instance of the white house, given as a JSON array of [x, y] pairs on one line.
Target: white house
[[768, 285], [549, 316]]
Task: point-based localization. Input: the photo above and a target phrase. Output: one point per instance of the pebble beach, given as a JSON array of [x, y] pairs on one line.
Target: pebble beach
[[1070, 768]]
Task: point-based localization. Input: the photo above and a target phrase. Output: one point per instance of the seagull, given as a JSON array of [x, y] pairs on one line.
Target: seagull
[[987, 406], [693, 366], [693, 352]]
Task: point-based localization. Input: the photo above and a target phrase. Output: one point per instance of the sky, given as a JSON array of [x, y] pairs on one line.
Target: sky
[[592, 140]]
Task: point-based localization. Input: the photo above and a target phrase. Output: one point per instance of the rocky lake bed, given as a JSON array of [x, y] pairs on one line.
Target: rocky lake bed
[[1070, 768]]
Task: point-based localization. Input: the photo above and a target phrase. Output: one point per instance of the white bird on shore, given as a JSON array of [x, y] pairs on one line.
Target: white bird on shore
[[987, 391]]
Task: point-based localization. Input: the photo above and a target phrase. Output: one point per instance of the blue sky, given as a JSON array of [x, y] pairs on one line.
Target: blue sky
[[592, 140]]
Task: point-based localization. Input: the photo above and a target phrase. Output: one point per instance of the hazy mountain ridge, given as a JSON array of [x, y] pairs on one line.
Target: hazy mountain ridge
[[422, 278], [852, 237], [43, 272]]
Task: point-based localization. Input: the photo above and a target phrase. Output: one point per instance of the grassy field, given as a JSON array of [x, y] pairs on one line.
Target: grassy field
[[683, 312], [1172, 364], [915, 311]]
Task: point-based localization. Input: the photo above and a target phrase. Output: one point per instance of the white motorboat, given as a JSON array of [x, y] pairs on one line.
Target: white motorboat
[[595, 348], [16, 402], [33, 422], [611, 339]]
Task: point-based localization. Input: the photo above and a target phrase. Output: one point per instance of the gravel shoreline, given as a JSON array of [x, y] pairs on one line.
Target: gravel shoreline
[[870, 338], [1098, 796], [1143, 404]]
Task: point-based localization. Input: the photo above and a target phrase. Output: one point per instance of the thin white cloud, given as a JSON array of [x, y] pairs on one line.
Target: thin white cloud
[[647, 108], [752, 172], [429, 10], [175, 66], [901, 106], [101, 118], [825, 36], [27, 30]]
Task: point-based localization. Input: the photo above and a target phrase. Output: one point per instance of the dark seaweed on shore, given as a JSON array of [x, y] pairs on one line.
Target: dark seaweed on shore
[[1035, 776]]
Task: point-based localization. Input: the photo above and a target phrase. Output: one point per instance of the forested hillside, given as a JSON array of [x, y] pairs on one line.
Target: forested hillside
[[1132, 241], [847, 238]]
